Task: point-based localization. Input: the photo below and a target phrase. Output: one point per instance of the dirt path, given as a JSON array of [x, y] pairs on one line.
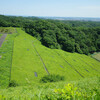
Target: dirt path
[[2, 39]]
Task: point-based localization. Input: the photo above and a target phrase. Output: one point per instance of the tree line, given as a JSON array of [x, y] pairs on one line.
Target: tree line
[[58, 35], [72, 36]]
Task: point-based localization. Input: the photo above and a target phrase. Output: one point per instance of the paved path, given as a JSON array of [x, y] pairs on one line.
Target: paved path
[[2, 39]]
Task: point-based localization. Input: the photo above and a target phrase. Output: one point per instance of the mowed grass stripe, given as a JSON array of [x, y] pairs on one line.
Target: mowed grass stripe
[[69, 60], [87, 69], [79, 65], [25, 60], [53, 62], [70, 65], [84, 61], [5, 60], [41, 60], [94, 64]]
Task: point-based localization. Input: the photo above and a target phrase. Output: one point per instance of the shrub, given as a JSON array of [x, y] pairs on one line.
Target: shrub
[[2, 97], [51, 78], [13, 83], [69, 92]]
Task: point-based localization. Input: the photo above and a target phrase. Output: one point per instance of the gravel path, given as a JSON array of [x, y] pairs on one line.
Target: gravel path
[[2, 39]]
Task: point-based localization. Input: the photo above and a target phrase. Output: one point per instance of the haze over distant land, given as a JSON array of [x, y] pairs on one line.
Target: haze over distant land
[[73, 18], [60, 8]]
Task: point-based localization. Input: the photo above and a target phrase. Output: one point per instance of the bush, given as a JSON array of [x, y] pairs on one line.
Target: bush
[[51, 78], [69, 92], [13, 84], [2, 97]]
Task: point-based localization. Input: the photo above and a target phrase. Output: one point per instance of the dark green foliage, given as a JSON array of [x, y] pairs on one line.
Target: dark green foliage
[[77, 49], [59, 35], [72, 36], [13, 21], [98, 44], [51, 78], [13, 83]]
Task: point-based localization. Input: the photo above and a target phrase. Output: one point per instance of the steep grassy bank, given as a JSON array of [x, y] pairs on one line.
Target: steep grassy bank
[[31, 61], [25, 60]]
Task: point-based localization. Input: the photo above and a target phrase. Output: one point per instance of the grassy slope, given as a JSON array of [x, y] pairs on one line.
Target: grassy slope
[[26, 62], [34, 92], [27, 56], [96, 56], [5, 60]]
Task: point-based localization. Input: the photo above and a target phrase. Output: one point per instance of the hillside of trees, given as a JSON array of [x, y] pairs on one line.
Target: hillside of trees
[[14, 21], [62, 36], [72, 36]]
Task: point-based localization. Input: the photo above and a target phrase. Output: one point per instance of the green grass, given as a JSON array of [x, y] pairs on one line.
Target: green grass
[[27, 56], [25, 62], [96, 55], [22, 55], [5, 60], [0, 35], [37, 91]]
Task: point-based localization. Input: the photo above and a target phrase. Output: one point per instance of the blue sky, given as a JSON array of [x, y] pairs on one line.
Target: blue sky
[[61, 8]]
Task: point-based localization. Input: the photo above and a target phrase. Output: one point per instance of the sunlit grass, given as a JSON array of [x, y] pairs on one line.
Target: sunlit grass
[[27, 55], [5, 60], [39, 91]]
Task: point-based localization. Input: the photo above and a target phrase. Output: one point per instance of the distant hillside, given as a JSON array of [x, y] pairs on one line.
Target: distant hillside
[[73, 18]]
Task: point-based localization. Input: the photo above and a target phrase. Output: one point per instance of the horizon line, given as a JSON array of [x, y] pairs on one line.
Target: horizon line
[[48, 16]]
